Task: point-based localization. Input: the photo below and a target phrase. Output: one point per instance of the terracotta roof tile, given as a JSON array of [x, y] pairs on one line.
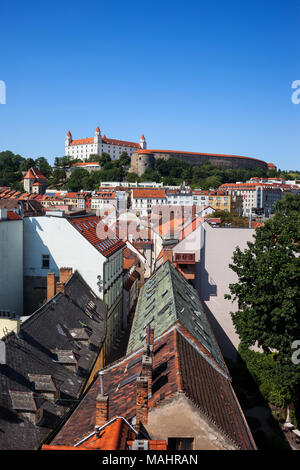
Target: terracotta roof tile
[[177, 364], [149, 193], [87, 226]]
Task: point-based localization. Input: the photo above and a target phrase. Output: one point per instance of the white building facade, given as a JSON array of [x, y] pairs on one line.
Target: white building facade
[[11, 265], [83, 148], [143, 200], [52, 242]]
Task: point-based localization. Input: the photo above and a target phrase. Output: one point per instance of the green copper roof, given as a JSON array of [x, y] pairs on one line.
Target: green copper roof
[[165, 298]]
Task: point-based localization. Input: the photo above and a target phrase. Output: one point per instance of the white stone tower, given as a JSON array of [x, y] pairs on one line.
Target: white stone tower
[[68, 141], [143, 143], [97, 136]]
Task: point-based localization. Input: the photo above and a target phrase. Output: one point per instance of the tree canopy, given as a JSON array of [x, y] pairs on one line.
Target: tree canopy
[[268, 287]]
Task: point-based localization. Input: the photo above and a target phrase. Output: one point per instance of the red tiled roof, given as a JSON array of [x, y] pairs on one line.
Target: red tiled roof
[[83, 141], [105, 140], [86, 163], [129, 258], [256, 224], [34, 173], [105, 195], [11, 215], [29, 174], [112, 436], [179, 367], [120, 142], [89, 226], [149, 193]]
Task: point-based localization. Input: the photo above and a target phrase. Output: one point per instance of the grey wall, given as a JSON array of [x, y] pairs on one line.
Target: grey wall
[[217, 247]]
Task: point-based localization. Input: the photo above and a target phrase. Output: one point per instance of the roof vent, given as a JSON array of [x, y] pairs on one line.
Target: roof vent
[[140, 444]]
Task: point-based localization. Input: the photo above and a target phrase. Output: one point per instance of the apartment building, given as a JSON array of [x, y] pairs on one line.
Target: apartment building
[[83, 243]]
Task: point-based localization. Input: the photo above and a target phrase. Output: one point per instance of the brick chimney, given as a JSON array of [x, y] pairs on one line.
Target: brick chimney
[[50, 285], [65, 274], [141, 400], [147, 372], [102, 403], [172, 224], [167, 254], [60, 287], [149, 341]]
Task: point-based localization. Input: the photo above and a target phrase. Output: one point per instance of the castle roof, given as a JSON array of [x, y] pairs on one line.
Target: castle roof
[[105, 140]]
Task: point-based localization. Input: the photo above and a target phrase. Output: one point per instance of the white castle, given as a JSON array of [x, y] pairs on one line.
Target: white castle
[[83, 148]]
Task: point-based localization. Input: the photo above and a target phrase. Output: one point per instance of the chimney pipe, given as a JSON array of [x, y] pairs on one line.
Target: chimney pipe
[[101, 373], [147, 372], [60, 287], [50, 285], [141, 401], [64, 274], [102, 403], [149, 341]]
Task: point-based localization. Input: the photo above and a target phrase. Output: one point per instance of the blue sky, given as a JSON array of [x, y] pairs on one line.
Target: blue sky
[[211, 76]]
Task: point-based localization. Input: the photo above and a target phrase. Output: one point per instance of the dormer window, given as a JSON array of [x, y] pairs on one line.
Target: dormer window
[[44, 386]]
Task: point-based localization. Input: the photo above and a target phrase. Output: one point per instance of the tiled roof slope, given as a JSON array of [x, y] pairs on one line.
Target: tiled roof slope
[[33, 352], [166, 298], [212, 393], [35, 173], [149, 193], [112, 436], [87, 226], [178, 366]]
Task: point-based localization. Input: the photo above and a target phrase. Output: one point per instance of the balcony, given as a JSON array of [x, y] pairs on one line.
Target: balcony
[[184, 258]]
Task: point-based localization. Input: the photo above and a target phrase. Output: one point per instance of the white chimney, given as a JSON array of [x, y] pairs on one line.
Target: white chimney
[[2, 352], [3, 214]]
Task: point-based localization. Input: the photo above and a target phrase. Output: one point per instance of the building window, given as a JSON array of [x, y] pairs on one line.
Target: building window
[[180, 443], [45, 261]]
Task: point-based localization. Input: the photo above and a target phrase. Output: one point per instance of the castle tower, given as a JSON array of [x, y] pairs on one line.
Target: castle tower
[[68, 142], [97, 136], [143, 143], [68, 139]]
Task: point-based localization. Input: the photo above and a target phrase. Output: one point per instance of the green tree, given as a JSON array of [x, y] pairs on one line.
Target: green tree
[[268, 288], [104, 158], [42, 164], [124, 159], [132, 177], [75, 182]]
